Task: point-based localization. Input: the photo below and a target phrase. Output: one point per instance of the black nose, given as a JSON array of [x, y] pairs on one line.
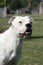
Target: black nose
[[28, 26]]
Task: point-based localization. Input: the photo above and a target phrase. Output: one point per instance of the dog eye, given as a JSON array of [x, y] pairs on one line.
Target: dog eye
[[20, 21]]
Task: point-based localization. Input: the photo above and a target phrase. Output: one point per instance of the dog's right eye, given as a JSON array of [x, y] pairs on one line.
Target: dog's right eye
[[20, 22]]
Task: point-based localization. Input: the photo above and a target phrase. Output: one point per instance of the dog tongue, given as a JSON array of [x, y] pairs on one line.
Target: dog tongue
[[26, 33]]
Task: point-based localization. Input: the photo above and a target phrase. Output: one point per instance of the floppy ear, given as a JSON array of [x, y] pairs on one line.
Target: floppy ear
[[11, 19], [31, 19]]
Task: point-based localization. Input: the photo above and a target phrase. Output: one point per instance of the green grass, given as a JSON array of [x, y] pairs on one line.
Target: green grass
[[32, 48]]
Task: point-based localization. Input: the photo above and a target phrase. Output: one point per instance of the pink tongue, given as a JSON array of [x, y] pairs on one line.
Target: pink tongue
[[26, 33]]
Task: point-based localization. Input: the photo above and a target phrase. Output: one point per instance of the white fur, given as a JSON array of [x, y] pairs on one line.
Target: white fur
[[9, 40]]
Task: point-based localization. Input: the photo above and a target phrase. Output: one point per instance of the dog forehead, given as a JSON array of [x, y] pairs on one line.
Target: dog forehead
[[27, 19], [24, 19]]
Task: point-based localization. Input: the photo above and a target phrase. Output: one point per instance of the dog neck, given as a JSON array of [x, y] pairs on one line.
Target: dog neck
[[11, 36], [11, 33]]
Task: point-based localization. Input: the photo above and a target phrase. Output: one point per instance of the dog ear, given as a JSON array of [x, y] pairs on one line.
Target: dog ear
[[11, 19], [31, 19]]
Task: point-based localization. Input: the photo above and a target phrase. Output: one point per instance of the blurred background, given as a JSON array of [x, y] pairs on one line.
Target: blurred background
[[32, 48], [20, 7]]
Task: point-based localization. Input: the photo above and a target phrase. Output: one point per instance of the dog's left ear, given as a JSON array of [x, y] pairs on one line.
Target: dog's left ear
[[11, 19], [31, 19]]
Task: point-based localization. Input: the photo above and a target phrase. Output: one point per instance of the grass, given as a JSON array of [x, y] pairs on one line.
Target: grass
[[32, 48]]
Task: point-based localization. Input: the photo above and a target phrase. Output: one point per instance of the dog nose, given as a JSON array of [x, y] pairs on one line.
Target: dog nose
[[28, 25]]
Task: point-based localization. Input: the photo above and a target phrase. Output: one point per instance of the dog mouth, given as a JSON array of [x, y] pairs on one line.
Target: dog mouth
[[27, 32]]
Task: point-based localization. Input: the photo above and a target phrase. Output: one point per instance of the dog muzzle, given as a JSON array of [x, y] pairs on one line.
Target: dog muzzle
[[28, 32]]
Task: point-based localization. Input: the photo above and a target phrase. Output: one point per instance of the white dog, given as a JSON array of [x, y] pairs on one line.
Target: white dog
[[10, 43]]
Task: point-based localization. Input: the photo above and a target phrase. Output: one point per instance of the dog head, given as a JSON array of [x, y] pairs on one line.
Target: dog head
[[21, 24]]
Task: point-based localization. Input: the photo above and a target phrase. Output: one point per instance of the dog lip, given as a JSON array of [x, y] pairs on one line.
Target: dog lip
[[25, 33], [21, 34]]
